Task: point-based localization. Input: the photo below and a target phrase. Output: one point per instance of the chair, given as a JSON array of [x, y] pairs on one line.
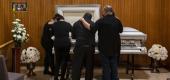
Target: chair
[[5, 75]]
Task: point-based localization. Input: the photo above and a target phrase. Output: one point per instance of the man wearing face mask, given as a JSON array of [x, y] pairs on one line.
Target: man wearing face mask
[[84, 49]]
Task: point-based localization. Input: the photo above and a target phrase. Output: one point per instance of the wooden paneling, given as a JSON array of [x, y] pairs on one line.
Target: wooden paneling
[[1, 23], [165, 29], [149, 16]]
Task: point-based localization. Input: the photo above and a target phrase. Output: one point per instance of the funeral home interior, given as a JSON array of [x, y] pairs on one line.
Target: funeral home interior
[[145, 40]]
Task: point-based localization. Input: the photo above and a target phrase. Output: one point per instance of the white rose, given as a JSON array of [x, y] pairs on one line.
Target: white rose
[[14, 35], [19, 36]]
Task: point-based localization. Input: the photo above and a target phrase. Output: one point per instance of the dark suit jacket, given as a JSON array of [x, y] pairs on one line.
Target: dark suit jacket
[[108, 28], [82, 35], [61, 31], [46, 40]]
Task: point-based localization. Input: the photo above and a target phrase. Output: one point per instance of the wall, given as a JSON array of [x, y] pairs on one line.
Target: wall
[[148, 16], [1, 24], [165, 29]]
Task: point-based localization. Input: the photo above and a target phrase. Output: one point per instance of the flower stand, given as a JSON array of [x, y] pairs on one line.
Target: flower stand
[[30, 68], [155, 66], [16, 52]]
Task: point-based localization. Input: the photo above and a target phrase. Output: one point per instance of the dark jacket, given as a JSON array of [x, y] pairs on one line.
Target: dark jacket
[[82, 35], [108, 27], [61, 31], [46, 37]]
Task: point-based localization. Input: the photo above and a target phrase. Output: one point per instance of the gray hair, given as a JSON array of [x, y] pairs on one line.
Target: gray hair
[[108, 10]]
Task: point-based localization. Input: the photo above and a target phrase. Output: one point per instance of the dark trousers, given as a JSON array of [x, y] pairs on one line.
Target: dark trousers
[[110, 67], [48, 60], [83, 54], [61, 59]]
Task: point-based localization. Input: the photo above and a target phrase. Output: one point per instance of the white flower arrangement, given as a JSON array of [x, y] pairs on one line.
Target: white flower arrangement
[[30, 55], [19, 32], [158, 52]]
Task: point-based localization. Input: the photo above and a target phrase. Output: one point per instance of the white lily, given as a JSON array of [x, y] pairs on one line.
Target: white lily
[[15, 22], [18, 20]]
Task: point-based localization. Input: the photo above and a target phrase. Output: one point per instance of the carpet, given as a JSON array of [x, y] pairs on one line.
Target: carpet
[[139, 74]]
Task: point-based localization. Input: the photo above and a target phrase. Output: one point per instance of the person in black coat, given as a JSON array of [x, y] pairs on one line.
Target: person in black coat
[[109, 42], [47, 44], [62, 45], [84, 49]]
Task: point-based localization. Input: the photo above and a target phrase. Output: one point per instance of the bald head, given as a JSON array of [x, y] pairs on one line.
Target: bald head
[[108, 10]]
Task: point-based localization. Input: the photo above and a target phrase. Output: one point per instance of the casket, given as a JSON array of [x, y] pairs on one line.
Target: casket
[[133, 41]]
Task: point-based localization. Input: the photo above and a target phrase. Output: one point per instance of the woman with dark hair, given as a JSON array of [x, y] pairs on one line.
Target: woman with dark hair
[[62, 45], [84, 49], [58, 17]]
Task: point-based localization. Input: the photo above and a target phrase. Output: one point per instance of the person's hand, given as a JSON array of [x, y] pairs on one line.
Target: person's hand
[[81, 19], [51, 21], [85, 23]]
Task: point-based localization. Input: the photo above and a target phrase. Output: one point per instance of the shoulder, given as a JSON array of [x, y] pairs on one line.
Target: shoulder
[[66, 23], [100, 20], [117, 20], [91, 23], [76, 23], [46, 25]]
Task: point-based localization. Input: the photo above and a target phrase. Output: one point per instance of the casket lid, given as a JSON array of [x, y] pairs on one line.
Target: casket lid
[[132, 33], [128, 31]]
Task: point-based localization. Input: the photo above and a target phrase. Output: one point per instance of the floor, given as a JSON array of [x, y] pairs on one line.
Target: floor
[[139, 74]]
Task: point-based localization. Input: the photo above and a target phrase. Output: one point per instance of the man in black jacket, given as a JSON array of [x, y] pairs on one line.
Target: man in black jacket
[[62, 46], [47, 44], [84, 49], [109, 42]]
